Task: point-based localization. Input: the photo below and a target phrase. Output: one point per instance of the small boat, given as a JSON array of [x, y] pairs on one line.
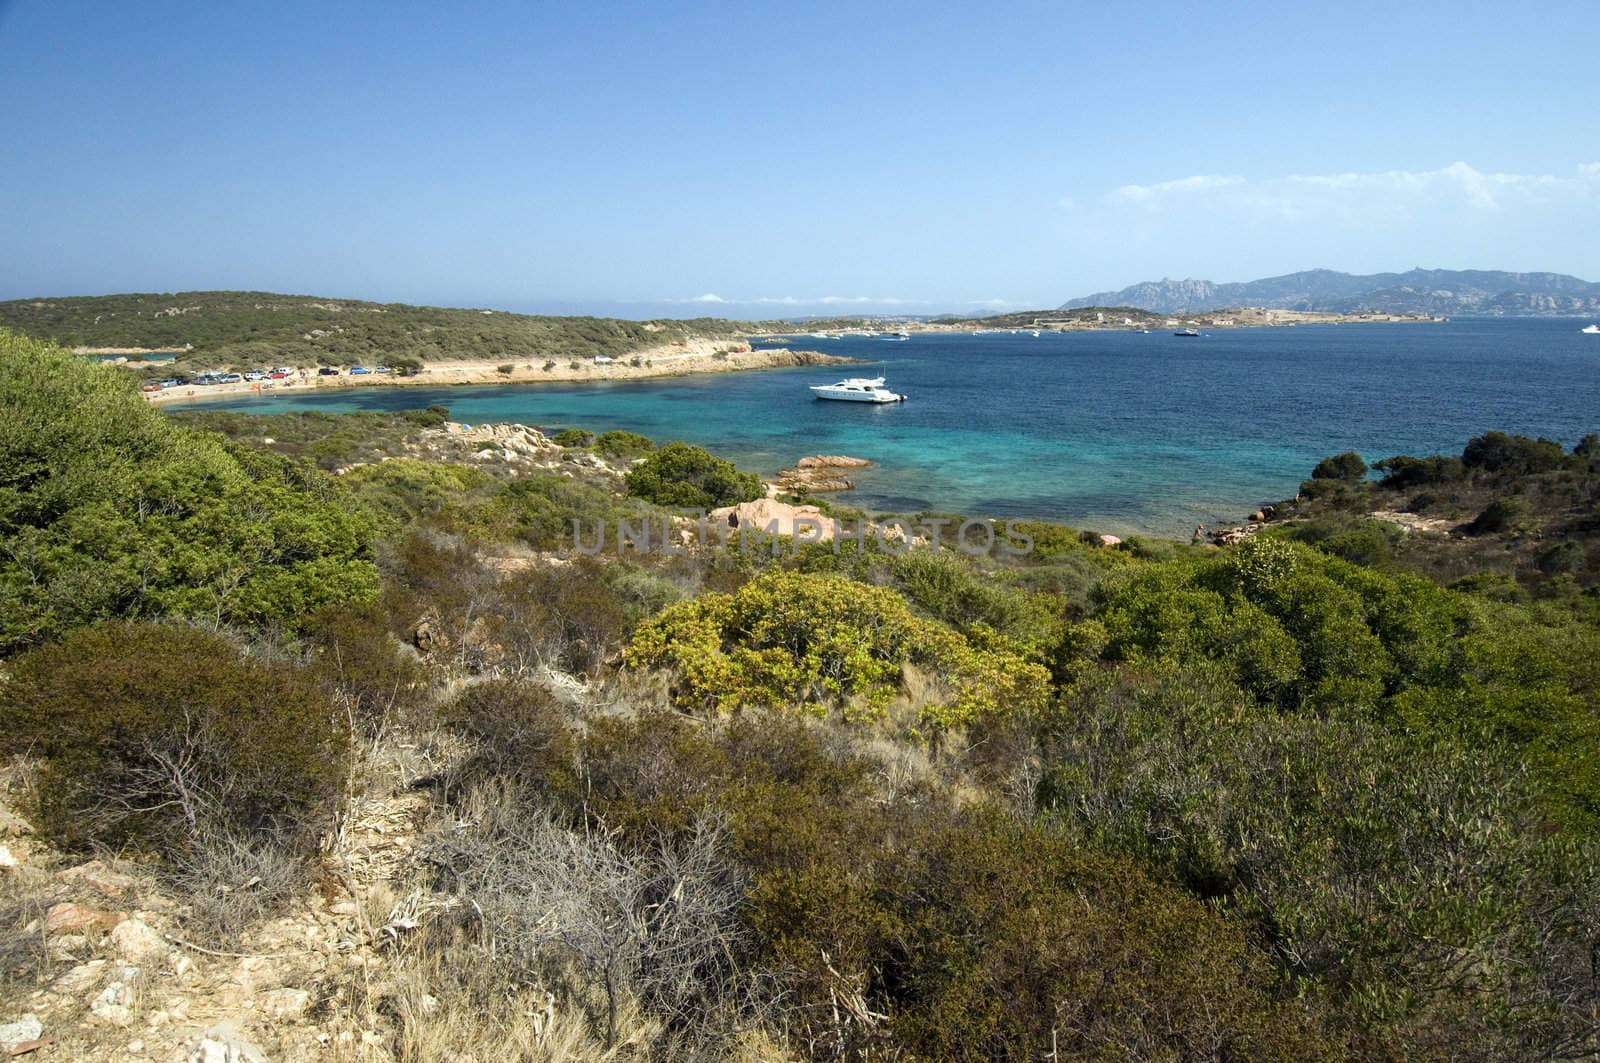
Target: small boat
[[1187, 332], [1035, 333], [1592, 330], [857, 389]]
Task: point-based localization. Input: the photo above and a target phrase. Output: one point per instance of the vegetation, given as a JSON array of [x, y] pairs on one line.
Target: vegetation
[[686, 477], [1331, 792], [108, 510], [260, 328]]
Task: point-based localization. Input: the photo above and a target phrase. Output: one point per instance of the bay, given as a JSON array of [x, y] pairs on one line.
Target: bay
[[1117, 431]]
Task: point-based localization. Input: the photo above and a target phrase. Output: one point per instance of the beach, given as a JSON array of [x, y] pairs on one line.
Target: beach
[[676, 359]]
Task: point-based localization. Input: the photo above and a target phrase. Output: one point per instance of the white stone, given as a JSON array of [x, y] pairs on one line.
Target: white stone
[[136, 942], [7, 861], [223, 1043], [286, 1003], [27, 1028]]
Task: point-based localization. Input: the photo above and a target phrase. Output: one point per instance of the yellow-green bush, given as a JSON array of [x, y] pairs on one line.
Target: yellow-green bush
[[813, 642]]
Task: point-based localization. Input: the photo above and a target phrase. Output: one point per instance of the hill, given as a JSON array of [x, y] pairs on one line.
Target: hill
[[1418, 291], [255, 328]]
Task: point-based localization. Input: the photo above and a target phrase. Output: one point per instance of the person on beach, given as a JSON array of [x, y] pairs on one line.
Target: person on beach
[[1199, 532]]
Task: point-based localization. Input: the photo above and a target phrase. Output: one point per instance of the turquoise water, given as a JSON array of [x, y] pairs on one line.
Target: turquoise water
[[1116, 431]]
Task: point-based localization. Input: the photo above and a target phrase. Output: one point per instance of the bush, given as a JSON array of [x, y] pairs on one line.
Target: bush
[[1498, 452], [1402, 471], [1502, 515], [809, 642], [166, 735], [506, 369], [109, 509], [685, 476], [1347, 466], [519, 731], [619, 444], [573, 437]]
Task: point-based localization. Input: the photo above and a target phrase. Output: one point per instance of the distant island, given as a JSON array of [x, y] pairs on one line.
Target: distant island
[[1428, 292]]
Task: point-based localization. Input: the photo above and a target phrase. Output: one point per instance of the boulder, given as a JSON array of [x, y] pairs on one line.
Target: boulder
[[286, 1004], [27, 1028], [137, 943], [224, 1043], [7, 861], [832, 461], [769, 515], [1108, 540], [97, 876], [66, 917]]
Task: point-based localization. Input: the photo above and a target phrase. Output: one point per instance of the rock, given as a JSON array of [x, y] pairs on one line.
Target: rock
[[27, 1028], [1258, 515], [7, 861], [1109, 540], [137, 943], [223, 1043], [768, 516], [286, 1004], [97, 876], [68, 916], [80, 978], [113, 1005], [832, 461]]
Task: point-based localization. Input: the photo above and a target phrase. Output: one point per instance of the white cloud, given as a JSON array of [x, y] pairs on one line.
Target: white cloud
[[790, 300], [709, 297], [1197, 183], [1299, 195]]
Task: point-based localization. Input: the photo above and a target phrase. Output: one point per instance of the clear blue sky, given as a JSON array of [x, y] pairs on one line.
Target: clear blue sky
[[758, 159]]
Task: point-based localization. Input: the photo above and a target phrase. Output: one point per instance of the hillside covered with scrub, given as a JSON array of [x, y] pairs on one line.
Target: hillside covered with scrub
[[246, 329], [322, 736]]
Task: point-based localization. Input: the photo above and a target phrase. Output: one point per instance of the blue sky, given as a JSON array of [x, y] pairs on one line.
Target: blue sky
[[761, 159]]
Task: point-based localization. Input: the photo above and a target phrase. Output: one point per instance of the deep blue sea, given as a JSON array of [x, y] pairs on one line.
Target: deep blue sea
[[1115, 431]]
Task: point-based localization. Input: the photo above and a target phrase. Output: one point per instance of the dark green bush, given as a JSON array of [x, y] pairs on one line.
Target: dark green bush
[[620, 444], [166, 735], [573, 437], [1503, 514], [1346, 466], [519, 732], [1498, 452], [685, 476]]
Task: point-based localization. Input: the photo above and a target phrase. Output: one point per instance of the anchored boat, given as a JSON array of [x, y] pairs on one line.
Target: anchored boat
[[857, 389]]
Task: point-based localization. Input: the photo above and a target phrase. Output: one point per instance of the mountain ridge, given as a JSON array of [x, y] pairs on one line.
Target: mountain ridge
[[1416, 291]]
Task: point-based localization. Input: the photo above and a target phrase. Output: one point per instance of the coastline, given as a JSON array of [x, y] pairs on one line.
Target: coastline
[[680, 359]]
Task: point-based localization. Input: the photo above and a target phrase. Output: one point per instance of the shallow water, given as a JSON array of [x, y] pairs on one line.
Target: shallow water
[[1117, 431]]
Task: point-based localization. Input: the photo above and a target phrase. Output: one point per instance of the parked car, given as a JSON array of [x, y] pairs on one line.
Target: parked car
[[255, 374], [278, 374], [230, 378], [328, 370], [360, 370], [381, 369], [171, 382]]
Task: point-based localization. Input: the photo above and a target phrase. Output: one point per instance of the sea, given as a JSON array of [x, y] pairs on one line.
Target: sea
[[1115, 431]]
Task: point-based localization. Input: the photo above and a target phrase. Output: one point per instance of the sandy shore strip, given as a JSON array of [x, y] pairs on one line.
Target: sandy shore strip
[[679, 359]]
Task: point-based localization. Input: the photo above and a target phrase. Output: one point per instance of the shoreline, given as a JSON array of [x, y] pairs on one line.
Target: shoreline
[[686, 359]]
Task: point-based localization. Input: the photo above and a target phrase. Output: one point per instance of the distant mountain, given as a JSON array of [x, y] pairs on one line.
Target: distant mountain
[[1419, 291]]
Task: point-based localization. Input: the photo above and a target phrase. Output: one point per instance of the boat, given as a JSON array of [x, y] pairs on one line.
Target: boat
[[1592, 330], [857, 389], [1187, 332], [1035, 333]]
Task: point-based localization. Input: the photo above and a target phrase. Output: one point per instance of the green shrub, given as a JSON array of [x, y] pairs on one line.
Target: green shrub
[[1504, 514], [685, 476], [506, 369], [619, 444], [164, 735], [519, 732], [1347, 466], [573, 437], [109, 509]]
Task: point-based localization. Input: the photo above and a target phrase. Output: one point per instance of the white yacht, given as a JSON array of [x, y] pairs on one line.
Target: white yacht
[[857, 389], [1592, 330]]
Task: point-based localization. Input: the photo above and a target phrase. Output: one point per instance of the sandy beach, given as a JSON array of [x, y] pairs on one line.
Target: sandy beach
[[678, 359]]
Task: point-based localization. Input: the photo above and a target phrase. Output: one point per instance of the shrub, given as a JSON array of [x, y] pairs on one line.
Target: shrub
[[685, 476], [1498, 452], [519, 731], [166, 735], [506, 369], [573, 437], [1502, 515], [1347, 466], [1403, 471], [109, 509], [810, 642], [619, 444]]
